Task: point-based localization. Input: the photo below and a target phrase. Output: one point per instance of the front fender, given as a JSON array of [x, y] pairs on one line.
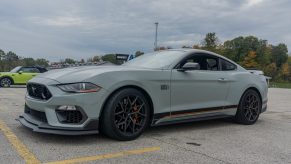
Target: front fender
[[149, 81]]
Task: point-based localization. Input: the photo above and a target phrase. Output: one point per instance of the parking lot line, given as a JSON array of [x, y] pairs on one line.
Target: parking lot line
[[107, 156], [21, 149]]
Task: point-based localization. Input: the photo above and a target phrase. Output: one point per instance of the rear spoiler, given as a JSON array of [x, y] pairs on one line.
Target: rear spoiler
[[260, 73]]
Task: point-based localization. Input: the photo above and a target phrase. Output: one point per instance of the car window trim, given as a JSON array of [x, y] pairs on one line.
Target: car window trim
[[220, 63], [199, 53], [30, 68]]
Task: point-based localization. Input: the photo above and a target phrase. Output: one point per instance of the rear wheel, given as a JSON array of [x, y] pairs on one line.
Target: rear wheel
[[126, 115], [249, 108], [5, 82]]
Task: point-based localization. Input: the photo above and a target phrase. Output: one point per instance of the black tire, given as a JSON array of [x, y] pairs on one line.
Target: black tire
[[126, 115], [5, 82], [249, 108]]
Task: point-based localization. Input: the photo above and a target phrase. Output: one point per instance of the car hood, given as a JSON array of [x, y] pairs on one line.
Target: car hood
[[79, 74]]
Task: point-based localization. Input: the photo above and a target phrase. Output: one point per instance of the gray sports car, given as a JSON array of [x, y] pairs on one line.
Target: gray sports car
[[159, 88]]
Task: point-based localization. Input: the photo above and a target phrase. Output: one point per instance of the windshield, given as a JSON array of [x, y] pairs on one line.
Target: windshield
[[14, 70], [161, 59]]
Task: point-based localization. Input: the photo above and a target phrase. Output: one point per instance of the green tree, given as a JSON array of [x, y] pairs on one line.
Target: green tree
[[234, 48], [110, 58], [2, 57], [70, 61], [289, 60], [11, 56], [270, 70], [279, 54], [42, 62], [237, 49], [210, 42], [28, 62], [11, 60]]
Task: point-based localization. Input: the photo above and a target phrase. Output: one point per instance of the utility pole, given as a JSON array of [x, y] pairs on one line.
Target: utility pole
[[156, 36]]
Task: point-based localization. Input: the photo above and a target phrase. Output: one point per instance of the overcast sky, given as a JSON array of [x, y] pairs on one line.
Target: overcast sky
[[57, 29]]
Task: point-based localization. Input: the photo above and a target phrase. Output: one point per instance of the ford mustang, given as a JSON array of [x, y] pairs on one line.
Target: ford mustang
[[19, 75], [158, 88]]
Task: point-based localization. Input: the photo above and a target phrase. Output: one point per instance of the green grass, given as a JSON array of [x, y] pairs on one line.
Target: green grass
[[280, 85]]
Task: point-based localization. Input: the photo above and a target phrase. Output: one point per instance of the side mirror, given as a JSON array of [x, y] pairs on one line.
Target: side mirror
[[189, 66], [20, 72]]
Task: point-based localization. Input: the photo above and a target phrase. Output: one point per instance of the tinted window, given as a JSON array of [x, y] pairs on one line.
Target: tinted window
[[29, 70], [206, 62], [227, 66]]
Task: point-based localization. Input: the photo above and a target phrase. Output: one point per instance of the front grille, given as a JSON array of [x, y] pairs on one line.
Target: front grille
[[35, 114], [38, 91], [73, 117]]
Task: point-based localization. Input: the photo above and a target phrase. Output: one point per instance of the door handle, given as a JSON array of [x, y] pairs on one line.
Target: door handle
[[222, 79]]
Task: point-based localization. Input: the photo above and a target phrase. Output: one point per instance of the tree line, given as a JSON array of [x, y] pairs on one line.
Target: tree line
[[10, 60]]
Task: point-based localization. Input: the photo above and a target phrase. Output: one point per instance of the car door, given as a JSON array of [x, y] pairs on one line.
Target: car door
[[198, 89], [25, 74]]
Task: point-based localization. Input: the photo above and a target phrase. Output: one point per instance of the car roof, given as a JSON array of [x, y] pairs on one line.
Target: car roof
[[191, 50]]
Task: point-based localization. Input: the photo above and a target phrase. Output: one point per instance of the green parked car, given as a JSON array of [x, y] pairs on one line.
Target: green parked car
[[19, 75]]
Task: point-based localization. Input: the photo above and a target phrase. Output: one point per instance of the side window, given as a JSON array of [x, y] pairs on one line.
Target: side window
[[206, 62], [212, 64], [29, 70], [227, 66]]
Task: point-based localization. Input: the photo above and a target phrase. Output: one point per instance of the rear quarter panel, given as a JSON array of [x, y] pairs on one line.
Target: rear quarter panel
[[241, 81]]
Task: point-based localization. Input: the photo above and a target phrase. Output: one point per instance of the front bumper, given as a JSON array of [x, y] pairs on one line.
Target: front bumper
[[46, 118], [42, 127]]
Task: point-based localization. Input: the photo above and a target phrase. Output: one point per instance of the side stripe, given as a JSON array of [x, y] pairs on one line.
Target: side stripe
[[191, 112]]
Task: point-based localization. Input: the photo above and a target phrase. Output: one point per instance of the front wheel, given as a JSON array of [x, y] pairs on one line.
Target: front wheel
[[249, 108], [5, 82], [126, 115]]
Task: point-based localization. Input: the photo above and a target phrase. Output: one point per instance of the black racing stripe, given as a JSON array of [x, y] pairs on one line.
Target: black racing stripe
[[166, 114], [230, 106], [161, 115]]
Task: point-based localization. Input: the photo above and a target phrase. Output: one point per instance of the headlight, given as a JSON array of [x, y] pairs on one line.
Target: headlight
[[79, 87]]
